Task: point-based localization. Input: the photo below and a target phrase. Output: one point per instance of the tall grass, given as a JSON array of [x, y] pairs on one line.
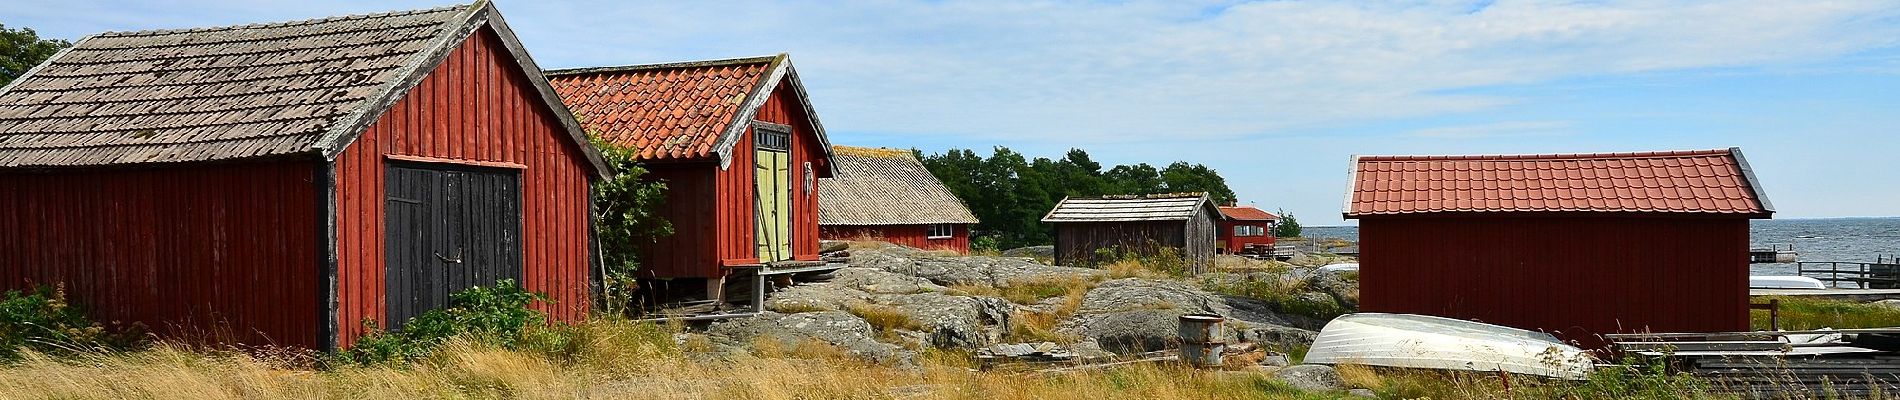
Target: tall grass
[[610, 359], [1800, 313]]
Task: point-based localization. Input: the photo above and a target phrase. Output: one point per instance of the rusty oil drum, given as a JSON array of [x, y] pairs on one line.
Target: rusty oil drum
[[1203, 338]]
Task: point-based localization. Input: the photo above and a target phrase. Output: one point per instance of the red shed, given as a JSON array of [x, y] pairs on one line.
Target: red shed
[[285, 183], [738, 146], [1245, 230], [886, 194], [1576, 244]]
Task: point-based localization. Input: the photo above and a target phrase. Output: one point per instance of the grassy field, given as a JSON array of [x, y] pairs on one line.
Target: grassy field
[[615, 360], [1798, 313]]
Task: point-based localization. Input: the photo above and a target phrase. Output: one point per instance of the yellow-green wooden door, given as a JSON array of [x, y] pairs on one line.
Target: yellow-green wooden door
[[775, 205]]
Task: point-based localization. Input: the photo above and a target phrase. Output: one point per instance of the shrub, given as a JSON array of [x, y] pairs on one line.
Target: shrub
[[496, 315], [626, 215], [43, 321]]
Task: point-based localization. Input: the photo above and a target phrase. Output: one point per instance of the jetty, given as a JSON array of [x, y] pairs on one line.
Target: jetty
[[1773, 254]]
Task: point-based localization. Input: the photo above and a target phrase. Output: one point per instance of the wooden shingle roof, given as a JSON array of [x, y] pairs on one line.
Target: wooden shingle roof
[[1698, 181], [1155, 207], [693, 110], [235, 92], [886, 187]]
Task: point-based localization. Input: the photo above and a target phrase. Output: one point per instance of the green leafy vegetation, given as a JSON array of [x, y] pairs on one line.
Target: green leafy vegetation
[[43, 321], [1798, 313], [21, 49], [496, 315], [1289, 296], [1288, 226], [626, 209], [1010, 192]]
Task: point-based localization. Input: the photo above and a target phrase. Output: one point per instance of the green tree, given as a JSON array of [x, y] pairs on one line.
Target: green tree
[[21, 49], [1183, 177], [1134, 179], [1010, 192], [626, 216], [1288, 225]]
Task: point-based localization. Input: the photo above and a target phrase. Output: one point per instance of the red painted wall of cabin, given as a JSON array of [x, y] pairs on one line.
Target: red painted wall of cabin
[[1233, 244], [735, 202], [477, 106], [224, 252], [689, 251], [1574, 276], [917, 236]]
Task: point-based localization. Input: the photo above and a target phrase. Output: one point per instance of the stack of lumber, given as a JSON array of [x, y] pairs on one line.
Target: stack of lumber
[[1780, 364]]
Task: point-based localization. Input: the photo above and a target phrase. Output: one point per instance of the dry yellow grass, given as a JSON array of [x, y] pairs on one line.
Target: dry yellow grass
[[614, 361]]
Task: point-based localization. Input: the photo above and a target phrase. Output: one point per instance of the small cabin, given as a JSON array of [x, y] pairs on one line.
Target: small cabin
[[1088, 230], [740, 150], [888, 195], [294, 183], [1573, 244], [1245, 230]]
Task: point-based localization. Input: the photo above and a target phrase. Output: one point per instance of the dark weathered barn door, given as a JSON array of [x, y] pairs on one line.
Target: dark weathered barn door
[[449, 228]]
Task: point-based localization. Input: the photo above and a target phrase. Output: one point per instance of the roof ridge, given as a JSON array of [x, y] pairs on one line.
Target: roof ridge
[[666, 65], [1554, 156], [879, 152], [279, 24]]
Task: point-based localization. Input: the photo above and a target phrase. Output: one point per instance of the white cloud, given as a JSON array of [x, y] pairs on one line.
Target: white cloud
[[1138, 71], [1495, 130]]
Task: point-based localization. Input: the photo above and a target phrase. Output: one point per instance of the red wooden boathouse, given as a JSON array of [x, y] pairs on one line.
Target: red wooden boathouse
[[286, 183], [1576, 244], [1245, 229], [888, 195], [738, 146]]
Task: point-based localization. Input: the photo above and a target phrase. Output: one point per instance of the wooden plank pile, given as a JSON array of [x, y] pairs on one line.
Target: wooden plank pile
[[1781, 364]]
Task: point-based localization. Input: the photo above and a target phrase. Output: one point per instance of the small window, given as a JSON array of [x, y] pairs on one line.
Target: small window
[[942, 231], [772, 139], [1240, 230]]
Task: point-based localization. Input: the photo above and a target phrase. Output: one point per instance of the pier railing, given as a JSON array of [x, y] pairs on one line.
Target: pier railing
[[1883, 273]]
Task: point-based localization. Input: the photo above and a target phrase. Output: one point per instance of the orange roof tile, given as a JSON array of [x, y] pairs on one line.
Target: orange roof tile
[[1700, 181], [1247, 213], [666, 111]]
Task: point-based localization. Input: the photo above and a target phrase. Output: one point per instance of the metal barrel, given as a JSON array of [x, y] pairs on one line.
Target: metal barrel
[[1203, 337]]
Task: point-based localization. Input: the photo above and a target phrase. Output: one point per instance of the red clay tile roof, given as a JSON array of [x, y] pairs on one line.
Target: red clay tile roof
[[1701, 181], [1247, 213], [665, 111]]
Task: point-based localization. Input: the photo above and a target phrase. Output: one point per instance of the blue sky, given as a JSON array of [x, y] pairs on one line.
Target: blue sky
[[1275, 95]]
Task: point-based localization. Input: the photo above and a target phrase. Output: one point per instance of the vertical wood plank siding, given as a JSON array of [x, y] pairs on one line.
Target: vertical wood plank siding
[[1573, 276], [734, 205], [689, 251], [478, 107], [917, 236], [1193, 240], [208, 252]]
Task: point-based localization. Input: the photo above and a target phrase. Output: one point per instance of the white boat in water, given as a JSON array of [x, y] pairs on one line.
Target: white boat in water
[[1784, 282], [1422, 341]]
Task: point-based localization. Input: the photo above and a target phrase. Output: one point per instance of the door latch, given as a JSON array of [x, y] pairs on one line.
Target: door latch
[[456, 260]]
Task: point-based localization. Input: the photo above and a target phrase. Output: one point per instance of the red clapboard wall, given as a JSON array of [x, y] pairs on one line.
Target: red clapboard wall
[[917, 236], [1575, 276], [736, 202], [189, 252], [476, 108]]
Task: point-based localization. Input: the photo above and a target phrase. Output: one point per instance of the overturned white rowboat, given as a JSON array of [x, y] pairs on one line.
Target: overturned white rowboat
[[1341, 267], [1784, 282], [1422, 341]]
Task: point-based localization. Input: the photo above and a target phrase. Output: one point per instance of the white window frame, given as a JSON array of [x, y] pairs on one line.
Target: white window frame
[[948, 231]]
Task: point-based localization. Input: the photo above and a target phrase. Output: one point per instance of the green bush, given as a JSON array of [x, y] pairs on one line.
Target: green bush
[[626, 216], [43, 321], [497, 315]]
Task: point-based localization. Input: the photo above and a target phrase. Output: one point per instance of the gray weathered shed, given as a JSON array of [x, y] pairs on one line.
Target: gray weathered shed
[[1144, 224]]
